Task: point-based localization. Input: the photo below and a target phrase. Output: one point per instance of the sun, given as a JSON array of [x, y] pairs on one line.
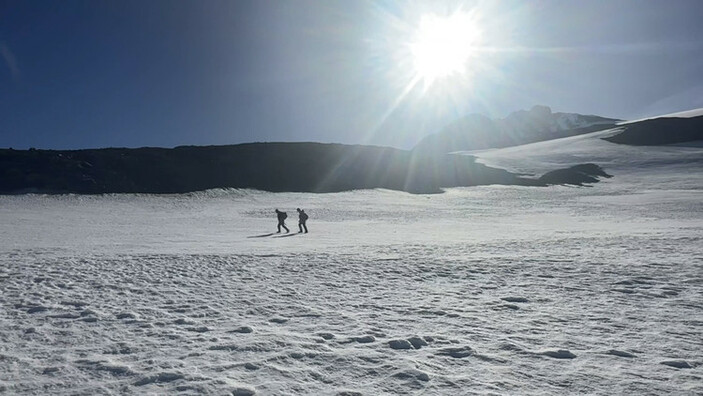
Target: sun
[[443, 46]]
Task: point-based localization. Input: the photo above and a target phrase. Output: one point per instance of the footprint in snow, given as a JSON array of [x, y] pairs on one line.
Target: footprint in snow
[[559, 354], [679, 364], [624, 354], [515, 299], [364, 339], [412, 374], [400, 344], [456, 352], [243, 392], [367, 339], [242, 330], [410, 343]]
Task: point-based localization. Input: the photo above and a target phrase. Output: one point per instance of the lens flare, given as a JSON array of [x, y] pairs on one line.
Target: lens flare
[[444, 45]]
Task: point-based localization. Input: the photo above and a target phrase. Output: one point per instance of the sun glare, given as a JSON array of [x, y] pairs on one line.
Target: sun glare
[[443, 45]]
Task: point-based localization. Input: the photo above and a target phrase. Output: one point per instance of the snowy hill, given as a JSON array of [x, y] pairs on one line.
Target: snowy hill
[[475, 131], [659, 131], [620, 151]]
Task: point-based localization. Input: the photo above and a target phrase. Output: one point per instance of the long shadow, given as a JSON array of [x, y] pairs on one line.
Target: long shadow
[[262, 235], [286, 235]]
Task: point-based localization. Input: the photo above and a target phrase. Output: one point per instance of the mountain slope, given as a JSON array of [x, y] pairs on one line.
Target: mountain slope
[[659, 131], [476, 132], [276, 167], [630, 161]]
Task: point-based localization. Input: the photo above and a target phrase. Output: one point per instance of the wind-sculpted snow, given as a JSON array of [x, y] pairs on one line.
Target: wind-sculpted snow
[[583, 321], [490, 290]]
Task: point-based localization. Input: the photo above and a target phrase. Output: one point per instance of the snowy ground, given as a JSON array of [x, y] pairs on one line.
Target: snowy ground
[[487, 290]]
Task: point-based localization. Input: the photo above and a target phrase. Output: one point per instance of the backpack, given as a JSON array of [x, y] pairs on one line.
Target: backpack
[[284, 215]]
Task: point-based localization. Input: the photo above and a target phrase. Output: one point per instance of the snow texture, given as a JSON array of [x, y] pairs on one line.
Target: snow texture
[[484, 290]]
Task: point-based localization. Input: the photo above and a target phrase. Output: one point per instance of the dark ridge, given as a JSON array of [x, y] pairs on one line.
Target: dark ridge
[[577, 175], [275, 167], [660, 131]]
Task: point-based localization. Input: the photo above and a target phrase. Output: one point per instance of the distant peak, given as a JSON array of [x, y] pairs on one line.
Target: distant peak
[[536, 112], [541, 110], [476, 132]]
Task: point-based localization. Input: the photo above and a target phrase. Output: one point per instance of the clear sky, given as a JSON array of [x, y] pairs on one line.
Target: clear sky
[[102, 73]]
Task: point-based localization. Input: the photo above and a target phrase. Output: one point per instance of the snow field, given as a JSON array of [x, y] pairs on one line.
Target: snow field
[[594, 307], [487, 290]]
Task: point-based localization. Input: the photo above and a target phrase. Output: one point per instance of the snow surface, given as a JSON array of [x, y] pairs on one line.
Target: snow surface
[[485, 290], [680, 114]]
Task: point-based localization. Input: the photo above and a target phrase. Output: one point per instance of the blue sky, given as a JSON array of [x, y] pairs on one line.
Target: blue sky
[[81, 74]]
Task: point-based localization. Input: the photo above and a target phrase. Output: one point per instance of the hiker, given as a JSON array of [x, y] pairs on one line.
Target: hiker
[[302, 218], [282, 221]]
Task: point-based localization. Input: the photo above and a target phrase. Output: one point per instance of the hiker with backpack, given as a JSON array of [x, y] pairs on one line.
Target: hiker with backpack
[[302, 218], [282, 221]]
